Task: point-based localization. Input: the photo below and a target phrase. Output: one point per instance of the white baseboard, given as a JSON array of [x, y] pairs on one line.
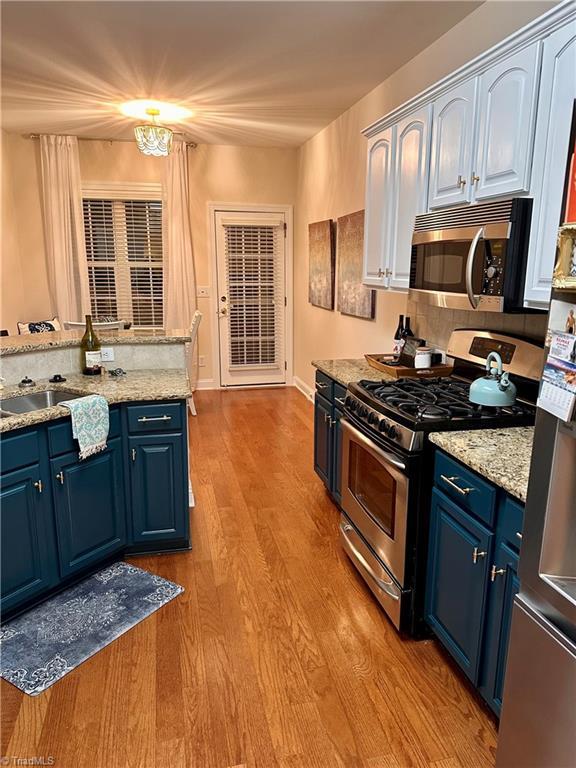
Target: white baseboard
[[207, 384], [303, 387]]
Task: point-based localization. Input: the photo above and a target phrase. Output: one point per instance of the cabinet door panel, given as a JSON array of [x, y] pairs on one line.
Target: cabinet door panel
[[90, 507], [379, 204], [322, 439], [503, 586], [158, 482], [507, 113], [411, 188], [556, 102], [26, 536], [451, 152], [456, 586]]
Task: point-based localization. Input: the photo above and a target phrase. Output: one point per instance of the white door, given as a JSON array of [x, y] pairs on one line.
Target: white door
[[507, 114], [411, 183], [452, 140], [251, 266], [557, 100], [379, 203]]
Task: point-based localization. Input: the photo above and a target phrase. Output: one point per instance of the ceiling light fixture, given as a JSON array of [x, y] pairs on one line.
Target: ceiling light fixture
[[138, 109], [152, 138]]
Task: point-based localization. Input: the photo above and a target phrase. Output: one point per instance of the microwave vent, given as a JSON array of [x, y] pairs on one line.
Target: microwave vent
[[466, 216]]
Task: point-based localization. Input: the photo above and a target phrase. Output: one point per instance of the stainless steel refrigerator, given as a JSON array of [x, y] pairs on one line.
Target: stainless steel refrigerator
[[538, 722]]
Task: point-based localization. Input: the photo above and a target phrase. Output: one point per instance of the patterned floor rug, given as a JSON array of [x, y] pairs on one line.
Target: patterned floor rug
[[38, 648]]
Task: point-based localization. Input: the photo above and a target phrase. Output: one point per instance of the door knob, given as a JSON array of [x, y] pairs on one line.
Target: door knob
[[461, 181], [60, 478], [496, 572], [38, 485], [476, 555]]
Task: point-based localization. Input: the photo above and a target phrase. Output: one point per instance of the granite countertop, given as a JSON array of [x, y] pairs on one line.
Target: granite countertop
[[170, 384], [345, 371], [32, 342], [500, 455]]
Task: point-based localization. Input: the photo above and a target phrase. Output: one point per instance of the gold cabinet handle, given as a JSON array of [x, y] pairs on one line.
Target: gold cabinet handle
[[60, 478], [452, 484], [133, 454], [38, 485], [476, 555], [380, 273], [475, 179], [461, 181], [496, 572]]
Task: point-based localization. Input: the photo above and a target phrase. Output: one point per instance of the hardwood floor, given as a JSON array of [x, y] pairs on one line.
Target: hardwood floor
[[276, 655]]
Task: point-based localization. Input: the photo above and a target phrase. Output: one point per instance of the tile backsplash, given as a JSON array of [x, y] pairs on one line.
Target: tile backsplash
[[435, 324]]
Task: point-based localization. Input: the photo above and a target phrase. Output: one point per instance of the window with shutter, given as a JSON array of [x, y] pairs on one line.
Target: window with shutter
[[124, 256]]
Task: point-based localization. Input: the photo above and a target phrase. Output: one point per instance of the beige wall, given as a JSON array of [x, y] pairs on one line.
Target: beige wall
[[331, 171], [24, 293], [217, 174]]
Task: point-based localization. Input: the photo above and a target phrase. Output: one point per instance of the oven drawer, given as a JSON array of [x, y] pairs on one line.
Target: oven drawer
[[465, 487], [381, 583]]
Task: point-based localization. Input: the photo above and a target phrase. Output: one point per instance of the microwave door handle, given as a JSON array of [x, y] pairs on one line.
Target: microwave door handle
[[470, 261]]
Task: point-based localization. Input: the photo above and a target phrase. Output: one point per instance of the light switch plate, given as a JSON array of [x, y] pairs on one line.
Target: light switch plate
[[107, 354], [202, 291], [201, 361]]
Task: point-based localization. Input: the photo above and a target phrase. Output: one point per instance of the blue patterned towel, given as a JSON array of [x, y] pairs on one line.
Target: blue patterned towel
[[90, 423]]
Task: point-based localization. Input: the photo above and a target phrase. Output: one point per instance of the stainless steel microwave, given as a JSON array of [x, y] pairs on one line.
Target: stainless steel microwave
[[472, 257]]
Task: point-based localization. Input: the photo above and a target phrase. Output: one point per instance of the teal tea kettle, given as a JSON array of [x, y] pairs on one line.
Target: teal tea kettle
[[495, 388]]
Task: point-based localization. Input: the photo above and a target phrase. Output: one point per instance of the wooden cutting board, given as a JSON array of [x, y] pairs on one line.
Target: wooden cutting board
[[403, 371]]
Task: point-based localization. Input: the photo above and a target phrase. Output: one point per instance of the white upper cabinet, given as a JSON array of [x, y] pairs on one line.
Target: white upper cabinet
[[556, 102], [452, 144], [378, 212], [411, 186], [507, 94]]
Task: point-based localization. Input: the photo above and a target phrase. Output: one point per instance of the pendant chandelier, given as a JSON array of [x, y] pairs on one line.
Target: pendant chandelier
[[152, 138]]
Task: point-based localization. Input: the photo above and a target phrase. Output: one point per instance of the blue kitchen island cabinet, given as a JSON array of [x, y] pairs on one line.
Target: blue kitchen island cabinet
[[29, 564], [90, 507], [159, 509], [62, 518], [475, 535]]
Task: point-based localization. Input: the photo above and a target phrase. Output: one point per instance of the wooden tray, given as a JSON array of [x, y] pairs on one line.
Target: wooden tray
[[403, 371]]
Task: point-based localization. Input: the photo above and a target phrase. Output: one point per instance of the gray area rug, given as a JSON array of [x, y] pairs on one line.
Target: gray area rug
[[38, 648]]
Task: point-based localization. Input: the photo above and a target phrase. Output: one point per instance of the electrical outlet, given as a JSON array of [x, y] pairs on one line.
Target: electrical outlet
[[201, 361], [107, 354], [202, 292]]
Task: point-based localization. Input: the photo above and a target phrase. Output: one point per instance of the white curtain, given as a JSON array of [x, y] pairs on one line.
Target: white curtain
[[179, 268], [64, 227]]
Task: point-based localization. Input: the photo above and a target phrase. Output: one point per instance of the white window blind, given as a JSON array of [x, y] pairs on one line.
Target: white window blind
[[255, 276], [124, 255]]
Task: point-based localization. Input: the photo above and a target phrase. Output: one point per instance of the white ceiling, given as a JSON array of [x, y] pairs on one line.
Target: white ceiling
[[260, 73]]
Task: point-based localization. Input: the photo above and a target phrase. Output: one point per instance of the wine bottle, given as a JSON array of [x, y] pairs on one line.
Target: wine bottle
[[407, 329], [398, 336], [91, 355]]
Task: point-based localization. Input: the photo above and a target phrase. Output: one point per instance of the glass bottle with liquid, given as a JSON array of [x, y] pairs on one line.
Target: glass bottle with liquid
[[91, 355]]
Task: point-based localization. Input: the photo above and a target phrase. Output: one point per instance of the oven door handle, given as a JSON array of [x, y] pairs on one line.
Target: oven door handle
[[384, 585], [389, 458], [470, 261]]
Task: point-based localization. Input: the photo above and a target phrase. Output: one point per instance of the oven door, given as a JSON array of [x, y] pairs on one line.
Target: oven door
[[449, 267], [375, 497]]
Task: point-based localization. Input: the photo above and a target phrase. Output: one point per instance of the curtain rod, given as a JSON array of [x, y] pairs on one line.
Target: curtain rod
[[190, 144]]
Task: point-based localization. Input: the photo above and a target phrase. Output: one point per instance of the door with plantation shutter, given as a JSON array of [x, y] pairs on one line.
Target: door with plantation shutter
[[251, 265]]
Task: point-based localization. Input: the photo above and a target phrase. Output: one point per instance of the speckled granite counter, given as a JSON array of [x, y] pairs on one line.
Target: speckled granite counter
[[136, 385], [500, 455], [34, 342], [345, 371]]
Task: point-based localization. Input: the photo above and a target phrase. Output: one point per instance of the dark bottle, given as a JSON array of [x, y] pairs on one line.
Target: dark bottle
[[407, 329], [398, 337], [91, 356]]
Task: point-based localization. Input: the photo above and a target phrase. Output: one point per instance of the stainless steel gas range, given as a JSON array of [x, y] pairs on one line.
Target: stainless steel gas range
[[387, 462]]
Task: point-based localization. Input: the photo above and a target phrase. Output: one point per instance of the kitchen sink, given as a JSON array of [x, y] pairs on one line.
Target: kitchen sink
[[34, 401]]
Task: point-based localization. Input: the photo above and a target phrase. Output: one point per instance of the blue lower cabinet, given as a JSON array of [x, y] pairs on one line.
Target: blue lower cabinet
[[28, 550], [159, 488], [90, 507], [323, 439], [504, 584], [459, 556]]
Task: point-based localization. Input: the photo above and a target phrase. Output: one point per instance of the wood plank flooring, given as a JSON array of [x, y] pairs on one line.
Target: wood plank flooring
[[276, 655]]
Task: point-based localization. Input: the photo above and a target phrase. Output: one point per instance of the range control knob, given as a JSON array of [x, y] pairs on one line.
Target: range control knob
[[383, 426], [392, 433], [372, 418], [362, 411], [349, 403], [492, 272]]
